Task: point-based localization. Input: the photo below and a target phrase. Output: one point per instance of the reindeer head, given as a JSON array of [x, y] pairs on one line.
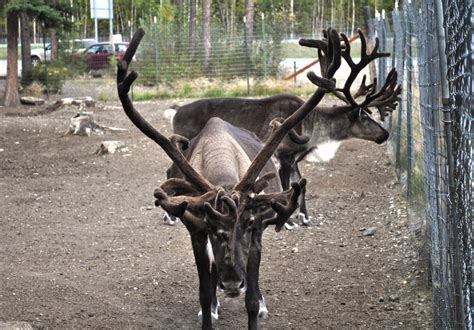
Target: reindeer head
[[384, 100], [233, 215]]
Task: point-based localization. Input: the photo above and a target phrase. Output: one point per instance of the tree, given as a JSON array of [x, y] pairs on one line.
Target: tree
[[12, 97], [192, 28], [26, 65], [249, 14], [32, 8], [206, 34]]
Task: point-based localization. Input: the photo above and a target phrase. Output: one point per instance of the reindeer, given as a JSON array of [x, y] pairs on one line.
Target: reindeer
[[219, 195], [322, 131]]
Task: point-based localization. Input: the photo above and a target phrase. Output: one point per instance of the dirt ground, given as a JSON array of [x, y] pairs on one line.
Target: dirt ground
[[82, 246]]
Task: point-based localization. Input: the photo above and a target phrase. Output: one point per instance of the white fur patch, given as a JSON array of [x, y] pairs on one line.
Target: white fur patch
[[323, 152], [209, 251], [276, 162], [303, 220], [262, 311], [214, 313], [169, 114]]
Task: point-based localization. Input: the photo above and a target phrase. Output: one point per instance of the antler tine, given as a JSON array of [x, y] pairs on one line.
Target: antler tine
[[172, 202], [334, 57], [262, 183], [388, 98], [357, 68], [124, 83], [214, 215], [285, 211]]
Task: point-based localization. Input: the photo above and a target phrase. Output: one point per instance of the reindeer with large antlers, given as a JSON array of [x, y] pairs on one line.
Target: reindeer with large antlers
[[324, 129], [219, 193]]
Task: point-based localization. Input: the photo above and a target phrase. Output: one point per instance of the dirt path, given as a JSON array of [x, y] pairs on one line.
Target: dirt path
[[81, 245]]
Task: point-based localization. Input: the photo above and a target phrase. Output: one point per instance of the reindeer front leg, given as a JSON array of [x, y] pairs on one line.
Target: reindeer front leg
[[254, 302], [302, 216], [199, 241]]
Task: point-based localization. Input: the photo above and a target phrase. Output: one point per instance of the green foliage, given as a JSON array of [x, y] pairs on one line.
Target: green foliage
[[48, 14], [52, 76]]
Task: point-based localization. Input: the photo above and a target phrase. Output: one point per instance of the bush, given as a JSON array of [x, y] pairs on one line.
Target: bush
[[51, 76]]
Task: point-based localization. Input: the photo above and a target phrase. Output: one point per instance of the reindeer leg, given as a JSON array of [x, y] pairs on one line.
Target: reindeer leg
[[215, 306], [254, 302], [285, 171], [303, 217], [199, 242]]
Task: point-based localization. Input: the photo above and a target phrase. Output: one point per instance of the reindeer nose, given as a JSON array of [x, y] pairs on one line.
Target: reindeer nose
[[382, 138], [233, 288]]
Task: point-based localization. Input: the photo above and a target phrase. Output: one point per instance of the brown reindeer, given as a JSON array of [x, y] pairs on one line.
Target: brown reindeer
[[219, 193], [324, 128]]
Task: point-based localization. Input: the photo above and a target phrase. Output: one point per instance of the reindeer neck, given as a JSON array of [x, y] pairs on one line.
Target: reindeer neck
[[323, 125]]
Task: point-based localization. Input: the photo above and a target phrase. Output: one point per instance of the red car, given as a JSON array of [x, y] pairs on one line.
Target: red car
[[98, 55]]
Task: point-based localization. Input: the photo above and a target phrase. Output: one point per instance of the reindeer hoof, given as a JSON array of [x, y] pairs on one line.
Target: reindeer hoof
[[214, 314], [303, 220], [290, 225], [263, 311], [167, 220]]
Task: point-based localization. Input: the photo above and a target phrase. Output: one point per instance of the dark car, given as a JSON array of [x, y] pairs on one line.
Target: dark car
[[98, 56]]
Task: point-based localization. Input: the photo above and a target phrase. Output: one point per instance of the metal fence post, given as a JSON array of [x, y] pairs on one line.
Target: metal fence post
[[247, 56], [409, 123]]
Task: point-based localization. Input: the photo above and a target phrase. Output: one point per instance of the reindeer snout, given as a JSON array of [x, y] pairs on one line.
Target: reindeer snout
[[233, 289], [382, 138]]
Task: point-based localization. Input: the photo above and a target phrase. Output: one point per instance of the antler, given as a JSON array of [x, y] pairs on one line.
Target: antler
[[385, 99], [124, 83], [330, 57], [283, 212]]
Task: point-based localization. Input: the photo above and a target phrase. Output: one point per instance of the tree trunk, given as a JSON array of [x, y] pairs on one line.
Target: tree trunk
[[353, 17], [179, 24], [206, 35], [54, 44], [12, 98], [249, 14], [26, 66], [192, 28]]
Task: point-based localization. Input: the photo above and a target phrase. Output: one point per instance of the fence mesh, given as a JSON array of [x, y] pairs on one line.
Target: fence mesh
[[431, 131], [431, 141]]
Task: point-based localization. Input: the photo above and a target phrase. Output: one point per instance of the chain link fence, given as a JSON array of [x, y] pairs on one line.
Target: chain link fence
[[431, 141]]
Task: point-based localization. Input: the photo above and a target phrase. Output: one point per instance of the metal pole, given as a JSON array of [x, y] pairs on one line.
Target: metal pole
[[155, 41], [247, 59], [111, 14], [454, 255], [294, 71], [264, 47], [409, 103], [96, 25]]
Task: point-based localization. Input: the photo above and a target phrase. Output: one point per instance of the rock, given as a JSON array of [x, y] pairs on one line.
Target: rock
[[111, 147], [369, 231], [82, 102], [83, 123], [30, 100], [15, 326]]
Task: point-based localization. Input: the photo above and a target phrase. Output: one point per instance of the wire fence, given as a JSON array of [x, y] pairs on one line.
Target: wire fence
[[168, 55], [431, 133], [431, 141]]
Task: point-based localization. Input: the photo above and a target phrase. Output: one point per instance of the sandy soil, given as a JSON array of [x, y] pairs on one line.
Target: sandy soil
[[81, 244]]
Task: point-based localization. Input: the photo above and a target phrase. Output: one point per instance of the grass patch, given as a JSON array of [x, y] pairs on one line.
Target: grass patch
[[202, 88]]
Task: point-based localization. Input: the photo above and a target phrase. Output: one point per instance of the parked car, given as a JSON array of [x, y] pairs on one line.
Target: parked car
[[98, 55], [38, 55]]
